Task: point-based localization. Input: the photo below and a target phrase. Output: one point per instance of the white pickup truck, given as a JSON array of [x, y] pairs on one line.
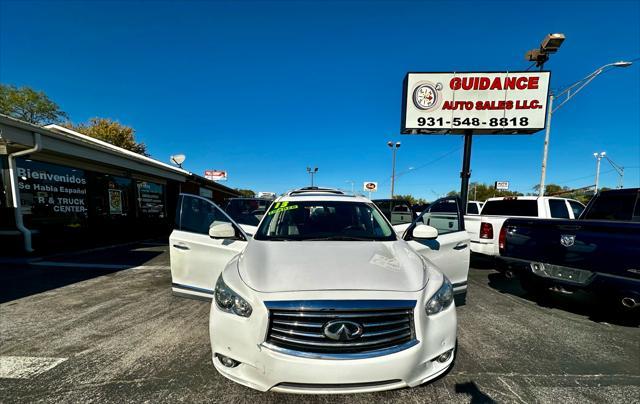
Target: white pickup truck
[[484, 229]]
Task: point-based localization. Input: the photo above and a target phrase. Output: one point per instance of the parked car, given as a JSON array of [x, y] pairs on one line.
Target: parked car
[[474, 207], [485, 228], [247, 212], [398, 211], [325, 297], [600, 252]]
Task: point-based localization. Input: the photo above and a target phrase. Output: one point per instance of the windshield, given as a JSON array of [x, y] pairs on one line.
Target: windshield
[[247, 211], [511, 207], [324, 220]]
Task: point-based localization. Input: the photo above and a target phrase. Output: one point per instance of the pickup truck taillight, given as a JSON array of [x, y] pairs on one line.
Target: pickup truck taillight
[[502, 239], [486, 230]]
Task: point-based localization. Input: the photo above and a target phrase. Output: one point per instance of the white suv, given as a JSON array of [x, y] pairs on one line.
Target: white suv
[[325, 297]]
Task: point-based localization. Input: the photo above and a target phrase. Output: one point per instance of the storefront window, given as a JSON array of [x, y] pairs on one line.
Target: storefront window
[[111, 196], [52, 194], [151, 200]]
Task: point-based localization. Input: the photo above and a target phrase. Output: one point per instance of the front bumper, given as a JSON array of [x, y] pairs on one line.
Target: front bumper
[[264, 368]]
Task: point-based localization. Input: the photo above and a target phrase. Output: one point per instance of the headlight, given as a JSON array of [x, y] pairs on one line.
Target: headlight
[[229, 301], [441, 299]]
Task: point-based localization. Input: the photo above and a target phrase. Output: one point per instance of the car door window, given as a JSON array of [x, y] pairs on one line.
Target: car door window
[[197, 215], [558, 209], [577, 208], [472, 208], [443, 215]]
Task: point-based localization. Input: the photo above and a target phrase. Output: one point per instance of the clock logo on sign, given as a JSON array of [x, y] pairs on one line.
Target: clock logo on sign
[[426, 96]]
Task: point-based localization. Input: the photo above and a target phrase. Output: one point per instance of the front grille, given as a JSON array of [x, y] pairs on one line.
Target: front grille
[[299, 325]]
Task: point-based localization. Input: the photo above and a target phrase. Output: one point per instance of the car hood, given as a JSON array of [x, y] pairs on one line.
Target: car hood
[[284, 266]]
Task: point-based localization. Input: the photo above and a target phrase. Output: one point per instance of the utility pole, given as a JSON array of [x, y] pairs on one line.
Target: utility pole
[[598, 157], [312, 172], [394, 147], [619, 169]]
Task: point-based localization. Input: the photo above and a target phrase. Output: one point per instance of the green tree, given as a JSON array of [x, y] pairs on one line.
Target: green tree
[[112, 132], [246, 193], [411, 199], [29, 105], [481, 192]]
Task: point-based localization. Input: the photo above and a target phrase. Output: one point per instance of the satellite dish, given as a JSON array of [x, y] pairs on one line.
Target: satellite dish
[[178, 159]]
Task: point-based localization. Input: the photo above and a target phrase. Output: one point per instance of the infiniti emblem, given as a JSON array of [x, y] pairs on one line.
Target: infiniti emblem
[[567, 240], [342, 330]]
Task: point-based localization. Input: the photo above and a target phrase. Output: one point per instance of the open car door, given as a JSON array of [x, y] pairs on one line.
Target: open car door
[[450, 250], [197, 259]]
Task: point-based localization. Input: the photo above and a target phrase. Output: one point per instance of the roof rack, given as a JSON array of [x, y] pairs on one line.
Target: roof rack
[[316, 190]]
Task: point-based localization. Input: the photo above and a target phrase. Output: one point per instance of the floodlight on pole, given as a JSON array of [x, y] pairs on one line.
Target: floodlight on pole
[[394, 147], [312, 172], [550, 44], [569, 93], [178, 159]]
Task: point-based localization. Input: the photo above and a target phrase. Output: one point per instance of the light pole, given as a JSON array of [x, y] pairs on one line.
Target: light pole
[[312, 171], [352, 186], [598, 157], [569, 93], [394, 147]]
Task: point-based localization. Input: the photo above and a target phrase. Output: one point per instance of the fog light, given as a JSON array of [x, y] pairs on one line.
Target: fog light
[[445, 356], [226, 361]]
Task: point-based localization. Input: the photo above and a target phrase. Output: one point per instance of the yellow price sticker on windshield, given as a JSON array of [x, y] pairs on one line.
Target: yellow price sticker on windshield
[[281, 207]]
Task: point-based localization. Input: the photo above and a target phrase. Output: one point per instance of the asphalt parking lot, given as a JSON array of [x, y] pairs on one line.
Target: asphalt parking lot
[[104, 327]]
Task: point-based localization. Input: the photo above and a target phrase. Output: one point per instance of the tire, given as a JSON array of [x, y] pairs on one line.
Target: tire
[[460, 299]]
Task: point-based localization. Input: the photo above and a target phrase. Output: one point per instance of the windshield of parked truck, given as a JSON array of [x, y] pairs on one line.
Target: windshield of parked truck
[[324, 220], [511, 207]]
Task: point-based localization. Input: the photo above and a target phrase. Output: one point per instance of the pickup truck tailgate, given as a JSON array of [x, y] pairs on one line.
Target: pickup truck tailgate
[[598, 246]]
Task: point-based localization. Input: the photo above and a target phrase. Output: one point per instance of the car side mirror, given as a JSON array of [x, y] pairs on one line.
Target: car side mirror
[[222, 230], [424, 232]]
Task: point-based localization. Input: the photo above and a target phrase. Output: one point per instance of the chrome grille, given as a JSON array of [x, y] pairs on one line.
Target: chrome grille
[[299, 325]]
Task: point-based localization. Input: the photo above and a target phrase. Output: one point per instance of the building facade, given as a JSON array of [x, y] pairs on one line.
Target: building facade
[[62, 190]]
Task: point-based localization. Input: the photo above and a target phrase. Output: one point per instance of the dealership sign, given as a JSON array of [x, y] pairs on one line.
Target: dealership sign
[[489, 103], [502, 185], [370, 186], [215, 175]]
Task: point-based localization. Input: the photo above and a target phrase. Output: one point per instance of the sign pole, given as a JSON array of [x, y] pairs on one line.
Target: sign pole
[[465, 174]]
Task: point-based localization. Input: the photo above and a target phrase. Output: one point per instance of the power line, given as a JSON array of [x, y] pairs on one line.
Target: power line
[[458, 148]]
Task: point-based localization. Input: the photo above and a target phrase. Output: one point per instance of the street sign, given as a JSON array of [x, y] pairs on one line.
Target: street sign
[[502, 185], [484, 103], [215, 175], [370, 186]]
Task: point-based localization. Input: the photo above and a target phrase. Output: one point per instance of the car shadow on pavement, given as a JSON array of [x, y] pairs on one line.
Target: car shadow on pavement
[[471, 389], [482, 262], [582, 304]]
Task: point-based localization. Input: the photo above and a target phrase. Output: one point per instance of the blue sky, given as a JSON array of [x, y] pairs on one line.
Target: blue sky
[[264, 89]]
